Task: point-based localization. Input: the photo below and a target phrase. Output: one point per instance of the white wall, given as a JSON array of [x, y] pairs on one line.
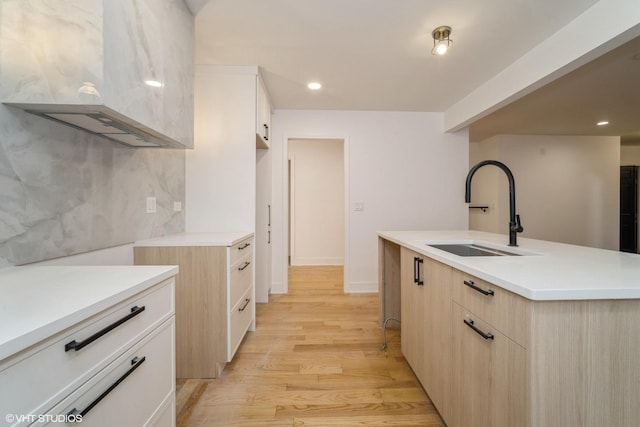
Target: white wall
[[567, 187], [408, 173], [630, 155], [485, 188], [317, 202], [117, 255]]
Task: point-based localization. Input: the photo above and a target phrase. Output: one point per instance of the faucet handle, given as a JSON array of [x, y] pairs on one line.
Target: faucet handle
[[517, 227]]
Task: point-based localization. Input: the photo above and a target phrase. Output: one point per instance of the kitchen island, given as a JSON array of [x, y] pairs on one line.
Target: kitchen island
[[547, 336]]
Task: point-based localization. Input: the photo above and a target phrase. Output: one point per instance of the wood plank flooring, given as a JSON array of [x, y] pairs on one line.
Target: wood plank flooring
[[314, 360]]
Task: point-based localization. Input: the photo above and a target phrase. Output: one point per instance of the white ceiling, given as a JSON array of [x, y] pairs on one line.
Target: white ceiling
[[607, 88], [374, 54]]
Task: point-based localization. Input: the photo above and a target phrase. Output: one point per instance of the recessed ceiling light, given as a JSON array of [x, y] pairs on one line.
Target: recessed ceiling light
[[314, 85], [153, 83], [602, 123]]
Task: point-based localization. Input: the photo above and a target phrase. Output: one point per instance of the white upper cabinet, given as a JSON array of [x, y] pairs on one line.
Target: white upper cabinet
[[95, 59], [263, 116]]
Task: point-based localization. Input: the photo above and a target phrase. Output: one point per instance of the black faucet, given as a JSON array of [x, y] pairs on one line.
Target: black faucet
[[514, 220]]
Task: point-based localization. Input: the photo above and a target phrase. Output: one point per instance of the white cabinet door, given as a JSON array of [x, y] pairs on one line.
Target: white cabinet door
[[263, 115], [131, 389]]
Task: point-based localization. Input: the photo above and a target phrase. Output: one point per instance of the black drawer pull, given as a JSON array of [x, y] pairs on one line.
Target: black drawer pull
[[136, 362], [266, 132], [473, 286], [246, 264], [74, 345], [244, 246], [420, 281], [486, 336], [415, 269], [246, 302]]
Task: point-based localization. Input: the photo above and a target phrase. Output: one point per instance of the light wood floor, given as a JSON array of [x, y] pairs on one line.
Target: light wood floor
[[314, 360]]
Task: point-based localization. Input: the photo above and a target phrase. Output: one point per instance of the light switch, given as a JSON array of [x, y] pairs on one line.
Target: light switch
[[151, 205], [358, 206], [177, 206]]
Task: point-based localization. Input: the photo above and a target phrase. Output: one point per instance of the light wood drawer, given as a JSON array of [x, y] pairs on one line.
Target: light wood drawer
[[504, 310], [143, 378], [37, 379], [240, 250], [240, 319], [241, 278]]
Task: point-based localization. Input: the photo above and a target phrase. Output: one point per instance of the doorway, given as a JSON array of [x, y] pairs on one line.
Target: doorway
[[316, 202], [629, 209]]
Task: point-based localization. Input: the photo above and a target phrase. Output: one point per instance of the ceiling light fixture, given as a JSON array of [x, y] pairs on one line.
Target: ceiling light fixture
[[153, 83], [314, 85], [441, 40], [603, 123]]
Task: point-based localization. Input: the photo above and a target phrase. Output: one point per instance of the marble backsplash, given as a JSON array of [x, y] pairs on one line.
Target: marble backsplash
[[65, 191]]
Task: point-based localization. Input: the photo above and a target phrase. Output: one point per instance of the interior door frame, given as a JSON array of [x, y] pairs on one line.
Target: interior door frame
[[285, 207], [292, 212]]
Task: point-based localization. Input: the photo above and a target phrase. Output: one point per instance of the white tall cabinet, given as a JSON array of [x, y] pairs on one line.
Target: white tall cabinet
[[228, 177]]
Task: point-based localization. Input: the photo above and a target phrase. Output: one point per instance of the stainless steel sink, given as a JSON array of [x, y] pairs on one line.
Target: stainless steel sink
[[471, 249]]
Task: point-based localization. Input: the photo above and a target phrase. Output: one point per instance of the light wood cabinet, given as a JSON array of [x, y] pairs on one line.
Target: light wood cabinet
[[487, 375], [504, 310], [488, 381], [215, 304], [413, 310], [437, 328], [425, 328]]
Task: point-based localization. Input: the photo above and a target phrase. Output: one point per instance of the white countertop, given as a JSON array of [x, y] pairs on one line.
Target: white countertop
[[197, 239], [38, 302], [547, 271]]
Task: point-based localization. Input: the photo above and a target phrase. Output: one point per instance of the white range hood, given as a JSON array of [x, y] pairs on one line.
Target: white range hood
[[120, 69], [102, 121]]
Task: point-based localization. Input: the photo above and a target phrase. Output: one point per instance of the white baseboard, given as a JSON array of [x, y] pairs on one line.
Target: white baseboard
[[277, 288], [362, 288]]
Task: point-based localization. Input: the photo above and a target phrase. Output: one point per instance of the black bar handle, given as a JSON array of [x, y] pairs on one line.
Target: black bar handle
[[269, 215], [473, 286], [246, 264], [135, 362], [246, 302], [268, 237], [420, 281], [246, 245], [415, 269], [486, 336], [266, 132], [74, 345]]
